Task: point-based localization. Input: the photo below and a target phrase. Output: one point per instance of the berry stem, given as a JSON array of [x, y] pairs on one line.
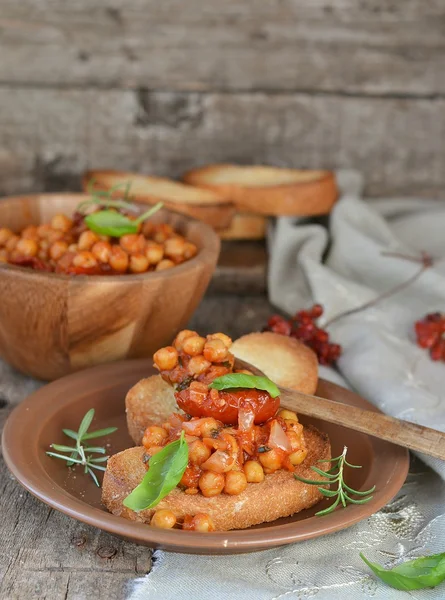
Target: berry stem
[[425, 261]]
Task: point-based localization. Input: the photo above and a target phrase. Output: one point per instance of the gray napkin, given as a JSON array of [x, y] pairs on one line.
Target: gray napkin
[[381, 361]]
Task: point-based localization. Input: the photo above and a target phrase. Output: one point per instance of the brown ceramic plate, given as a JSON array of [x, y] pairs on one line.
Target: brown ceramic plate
[[38, 421]]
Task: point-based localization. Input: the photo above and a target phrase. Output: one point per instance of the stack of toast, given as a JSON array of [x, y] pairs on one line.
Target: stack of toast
[[235, 200]]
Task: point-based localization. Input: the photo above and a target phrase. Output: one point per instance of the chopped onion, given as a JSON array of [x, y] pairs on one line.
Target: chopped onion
[[246, 417], [278, 438], [193, 427], [219, 462]]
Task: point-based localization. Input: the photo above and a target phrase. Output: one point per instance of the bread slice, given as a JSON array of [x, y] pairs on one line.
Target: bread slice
[[150, 402], [205, 205], [279, 495], [286, 361], [245, 226], [269, 190]]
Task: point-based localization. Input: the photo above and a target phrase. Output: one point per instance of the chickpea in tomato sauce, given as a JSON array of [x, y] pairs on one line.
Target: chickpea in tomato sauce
[[235, 437], [66, 245]]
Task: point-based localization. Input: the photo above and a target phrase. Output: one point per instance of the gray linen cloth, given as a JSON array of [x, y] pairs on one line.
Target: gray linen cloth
[[382, 362]]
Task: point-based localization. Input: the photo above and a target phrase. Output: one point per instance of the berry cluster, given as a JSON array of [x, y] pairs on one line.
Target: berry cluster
[[430, 332], [303, 327]]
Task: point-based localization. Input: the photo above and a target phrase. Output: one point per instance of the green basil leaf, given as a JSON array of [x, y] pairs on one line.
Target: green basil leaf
[[242, 380], [424, 572], [109, 222], [165, 470]]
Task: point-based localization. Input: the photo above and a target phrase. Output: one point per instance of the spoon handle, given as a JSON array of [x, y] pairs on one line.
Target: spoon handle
[[403, 433]]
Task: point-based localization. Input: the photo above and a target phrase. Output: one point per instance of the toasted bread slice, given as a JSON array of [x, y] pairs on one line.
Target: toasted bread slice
[[279, 495], [269, 190], [287, 361], [150, 402], [206, 205], [245, 226]]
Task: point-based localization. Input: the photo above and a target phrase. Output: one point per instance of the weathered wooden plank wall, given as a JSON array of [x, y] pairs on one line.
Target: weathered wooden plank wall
[[164, 86]]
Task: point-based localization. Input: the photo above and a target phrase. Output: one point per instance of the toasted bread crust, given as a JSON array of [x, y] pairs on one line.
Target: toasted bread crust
[[285, 360], [150, 402], [284, 192], [245, 226], [279, 495], [205, 205]]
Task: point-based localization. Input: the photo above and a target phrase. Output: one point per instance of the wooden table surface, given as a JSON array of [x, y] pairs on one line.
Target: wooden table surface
[[45, 554]]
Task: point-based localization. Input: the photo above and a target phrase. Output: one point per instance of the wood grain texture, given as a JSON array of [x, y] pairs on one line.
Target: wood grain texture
[[380, 47], [48, 556], [51, 325], [409, 435], [50, 137]]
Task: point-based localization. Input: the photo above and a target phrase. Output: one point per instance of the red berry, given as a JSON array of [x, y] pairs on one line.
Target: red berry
[[316, 311]]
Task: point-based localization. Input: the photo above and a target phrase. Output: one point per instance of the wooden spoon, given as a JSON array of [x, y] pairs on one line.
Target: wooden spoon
[[403, 433]]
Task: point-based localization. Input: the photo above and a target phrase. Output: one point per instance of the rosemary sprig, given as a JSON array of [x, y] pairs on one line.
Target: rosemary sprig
[[335, 475], [81, 454], [105, 198]]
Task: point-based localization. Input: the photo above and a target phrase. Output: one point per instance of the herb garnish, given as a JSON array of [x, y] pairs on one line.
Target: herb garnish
[[335, 475], [242, 380], [80, 454], [108, 221], [165, 471], [424, 572]]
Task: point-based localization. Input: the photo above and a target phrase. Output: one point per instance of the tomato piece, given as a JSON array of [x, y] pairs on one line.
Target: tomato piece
[[226, 406]]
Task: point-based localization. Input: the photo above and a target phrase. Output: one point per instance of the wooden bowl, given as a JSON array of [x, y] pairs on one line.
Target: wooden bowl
[[52, 325]]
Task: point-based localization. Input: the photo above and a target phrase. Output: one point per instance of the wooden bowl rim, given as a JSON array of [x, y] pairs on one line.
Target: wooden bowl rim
[[211, 245]]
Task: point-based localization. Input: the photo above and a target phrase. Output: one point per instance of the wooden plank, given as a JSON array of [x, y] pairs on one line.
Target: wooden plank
[[241, 269], [382, 47], [48, 556], [50, 136]]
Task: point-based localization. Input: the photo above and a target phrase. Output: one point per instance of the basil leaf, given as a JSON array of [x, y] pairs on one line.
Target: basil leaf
[[242, 380], [165, 470], [110, 222], [424, 572]]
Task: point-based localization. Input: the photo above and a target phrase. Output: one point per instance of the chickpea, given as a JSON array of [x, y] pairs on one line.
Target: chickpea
[[215, 350], [202, 523], [179, 340], [154, 436], [194, 345], [5, 235], [154, 252], [152, 450], [236, 483], [190, 250], [253, 471], [211, 483], [208, 426], [11, 243], [138, 263], [71, 247], [164, 519], [221, 336], [164, 264], [87, 239], [27, 247], [166, 358], [287, 415], [62, 223], [118, 259], [30, 233], [174, 247], [58, 249], [101, 251], [271, 460], [84, 260], [44, 230], [162, 232], [133, 243], [297, 457], [148, 228], [198, 365], [198, 452], [294, 439]]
